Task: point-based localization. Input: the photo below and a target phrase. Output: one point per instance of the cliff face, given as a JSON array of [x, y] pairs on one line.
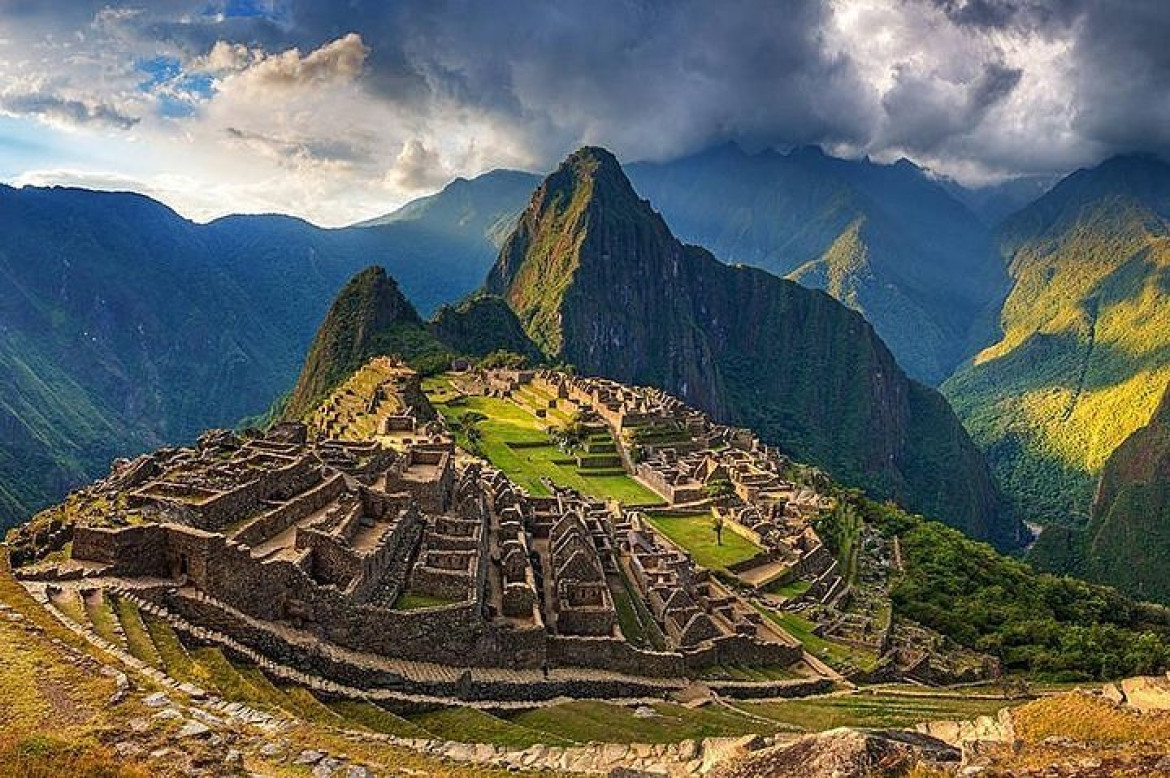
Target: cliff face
[[886, 240], [599, 282], [1129, 534]]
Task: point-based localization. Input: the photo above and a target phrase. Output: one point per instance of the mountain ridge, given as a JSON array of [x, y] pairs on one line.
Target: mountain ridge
[[1084, 353]]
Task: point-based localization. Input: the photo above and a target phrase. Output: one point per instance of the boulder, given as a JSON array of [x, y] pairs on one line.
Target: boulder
[[1147, 693], [844, 753]]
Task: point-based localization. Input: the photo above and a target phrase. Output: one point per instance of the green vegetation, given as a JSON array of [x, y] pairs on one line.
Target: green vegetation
[[515, 441], [483, 326], [369, 318], [101, 615], [840, 530], [1045, 625], [838, 655], [375, 719], [870, 709], [585, 721], [783, 362], [138, 641], [471, 725], [1085, 353], [791, 589], [697, 536], [1127, 542], [410, 601]]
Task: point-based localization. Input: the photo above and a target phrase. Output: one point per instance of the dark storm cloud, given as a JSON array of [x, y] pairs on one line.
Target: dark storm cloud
[[1122, 61], [1031, 15], [657, 79]]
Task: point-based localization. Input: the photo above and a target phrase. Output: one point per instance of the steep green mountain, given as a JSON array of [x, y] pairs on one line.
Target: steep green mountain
[[598, 281], [480, 325], [370, 317], [887, 240], [1128, 538], [1084, 355]]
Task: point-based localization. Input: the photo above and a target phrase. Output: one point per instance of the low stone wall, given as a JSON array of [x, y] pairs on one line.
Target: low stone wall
[[613, 654], [279, 519], [132, 551]]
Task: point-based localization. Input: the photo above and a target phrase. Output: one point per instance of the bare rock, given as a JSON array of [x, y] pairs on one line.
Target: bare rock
[[844, 753], [156, 700], [193, 729], [309, 757], [1147, 693], [1110, 692]]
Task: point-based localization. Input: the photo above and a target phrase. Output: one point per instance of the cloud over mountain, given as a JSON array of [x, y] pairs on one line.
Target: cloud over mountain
[[341, 104]]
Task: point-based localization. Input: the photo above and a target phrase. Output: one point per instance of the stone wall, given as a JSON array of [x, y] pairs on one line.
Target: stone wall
[[279, 519], [132, 551]]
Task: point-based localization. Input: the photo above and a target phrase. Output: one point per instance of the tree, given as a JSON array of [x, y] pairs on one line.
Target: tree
[[717, 525]]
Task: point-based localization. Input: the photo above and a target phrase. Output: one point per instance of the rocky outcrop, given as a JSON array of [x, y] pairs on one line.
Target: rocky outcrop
[[599, 282], [846, 753]]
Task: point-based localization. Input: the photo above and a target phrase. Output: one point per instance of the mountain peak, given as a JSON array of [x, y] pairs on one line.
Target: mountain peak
[[366, 314]]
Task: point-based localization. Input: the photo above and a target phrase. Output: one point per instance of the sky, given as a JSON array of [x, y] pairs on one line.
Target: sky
[[340, 110]]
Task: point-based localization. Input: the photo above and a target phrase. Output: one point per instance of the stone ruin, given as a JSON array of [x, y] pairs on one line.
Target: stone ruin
[[362, 560]]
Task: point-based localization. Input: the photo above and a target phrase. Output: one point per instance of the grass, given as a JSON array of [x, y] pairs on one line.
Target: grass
[[1088, 720], [304, 705], [469, 725], [627, 617], [533, 457], [375, 719], [224, 675], [49, 756], [409, 601], [177, 663], [791, 589], [590, 720], [138, 640], [101, 615], [838, 655], [868, 710], [696, 535], [68, 602]]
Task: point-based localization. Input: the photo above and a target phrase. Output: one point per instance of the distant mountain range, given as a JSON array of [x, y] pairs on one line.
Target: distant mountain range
[[125, 326], [1084, 356], [887, 240]]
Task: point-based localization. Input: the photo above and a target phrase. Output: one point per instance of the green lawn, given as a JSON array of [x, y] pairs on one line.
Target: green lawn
[[138, 640], [868, 710], [836, 654], [469, 725], [590, 720], [371, 717], [531, 455], [695, 534], [790, 590]]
